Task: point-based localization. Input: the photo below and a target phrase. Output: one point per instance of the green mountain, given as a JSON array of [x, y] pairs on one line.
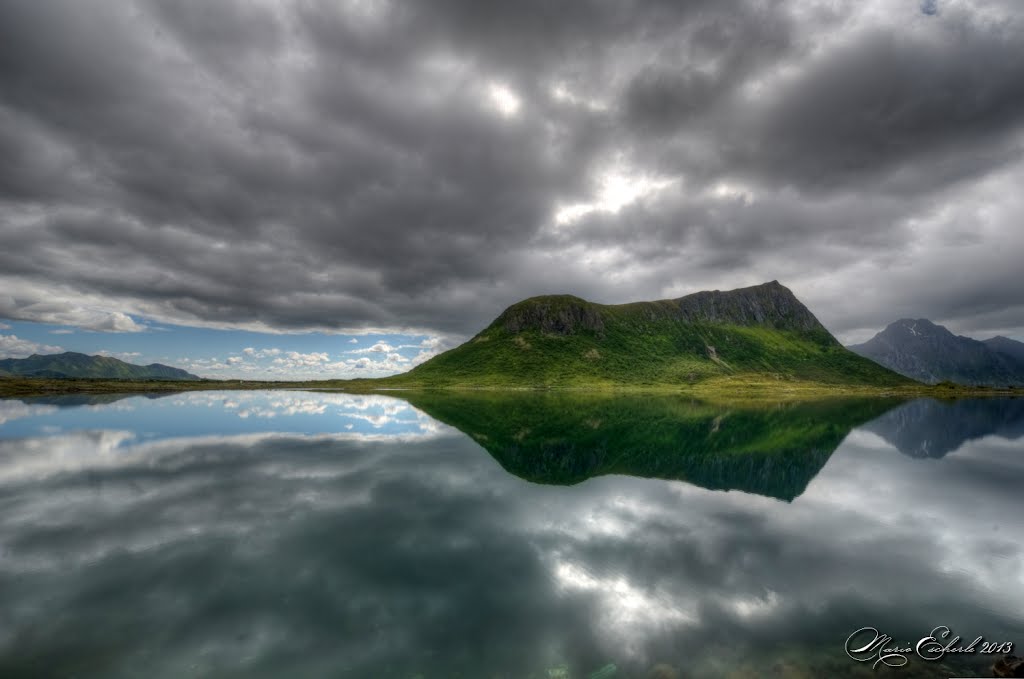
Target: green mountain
[[563, 340], [564, 438], [71, 364]]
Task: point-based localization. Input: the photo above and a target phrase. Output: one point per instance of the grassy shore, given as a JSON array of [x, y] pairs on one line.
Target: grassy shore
[[755, 386], [43, 386]]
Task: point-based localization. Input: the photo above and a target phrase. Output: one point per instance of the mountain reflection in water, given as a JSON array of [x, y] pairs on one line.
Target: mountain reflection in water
[[930, 428], [261, 534], [558, 438]]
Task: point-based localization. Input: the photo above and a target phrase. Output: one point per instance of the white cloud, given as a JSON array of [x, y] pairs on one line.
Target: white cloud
[[504, 99], [561, 92], [12, 346], [13, 410], [296, 358], [378, 360], [424, 355], [353, 341], [43, 309], [116, 322], [378, 348], [434, 342], [4, 326], [616, 189], [261, 353]]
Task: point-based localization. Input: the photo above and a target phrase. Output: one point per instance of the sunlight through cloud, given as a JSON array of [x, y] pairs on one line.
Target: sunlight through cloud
[[617, 190], [504, 99]]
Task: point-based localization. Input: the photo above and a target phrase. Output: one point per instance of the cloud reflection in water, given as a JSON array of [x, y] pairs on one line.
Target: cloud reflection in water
[[404, 548]]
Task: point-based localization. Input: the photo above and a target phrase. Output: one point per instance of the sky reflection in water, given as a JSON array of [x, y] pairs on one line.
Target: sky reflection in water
[[272, 533]]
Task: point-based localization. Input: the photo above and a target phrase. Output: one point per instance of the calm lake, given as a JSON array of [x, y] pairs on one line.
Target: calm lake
[[297, 534]]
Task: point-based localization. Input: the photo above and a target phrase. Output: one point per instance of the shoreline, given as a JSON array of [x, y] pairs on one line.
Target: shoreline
[[754, 387]]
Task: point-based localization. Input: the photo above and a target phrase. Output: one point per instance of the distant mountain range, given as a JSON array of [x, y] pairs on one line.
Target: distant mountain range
[[930, 353], [929, 428], [72, 365], [755, 333], [758, 332]]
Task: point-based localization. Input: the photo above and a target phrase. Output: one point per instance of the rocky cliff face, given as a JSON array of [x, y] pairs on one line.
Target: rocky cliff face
[[919, 349], [769, 305], [555, 314]]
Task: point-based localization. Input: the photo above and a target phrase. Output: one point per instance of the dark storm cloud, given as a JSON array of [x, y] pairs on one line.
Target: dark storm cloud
[[371, 164], [695, 74], [902, 112]]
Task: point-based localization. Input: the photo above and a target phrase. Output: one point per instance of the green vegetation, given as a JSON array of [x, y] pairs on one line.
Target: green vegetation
[[657, 354], [565, 438], [564, 341], [42, 386], [752, 343], [735, 389]]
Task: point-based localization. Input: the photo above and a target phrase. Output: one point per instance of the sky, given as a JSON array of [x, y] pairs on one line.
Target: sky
[[357, 185]]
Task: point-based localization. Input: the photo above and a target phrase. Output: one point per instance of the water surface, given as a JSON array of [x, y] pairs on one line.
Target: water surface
[[267, 534]]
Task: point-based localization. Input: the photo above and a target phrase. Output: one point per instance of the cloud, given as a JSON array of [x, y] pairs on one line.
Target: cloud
[[40, 306], [608, 570], [261, 353], [11, 409], [376, 348], [885, 112], [275, 364], [381, 358], [311, 358], [12, 346], [293, 167]]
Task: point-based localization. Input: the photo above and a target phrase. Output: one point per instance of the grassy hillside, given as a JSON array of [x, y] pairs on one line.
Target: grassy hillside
[[563, 438], [757, 341], [566, 341]]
